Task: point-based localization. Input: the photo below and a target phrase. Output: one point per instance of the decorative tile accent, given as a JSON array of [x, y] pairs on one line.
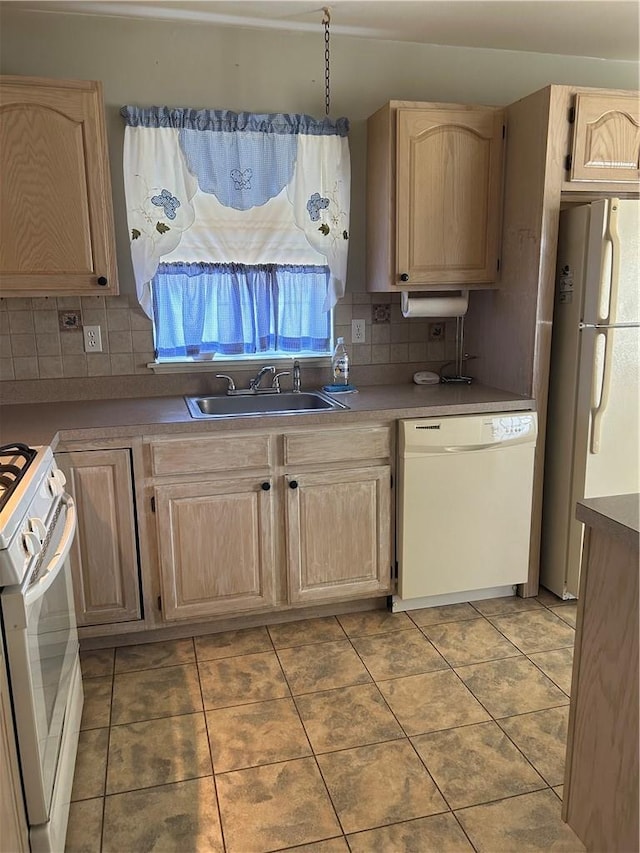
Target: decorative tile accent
[[381, 312], [70, 321]]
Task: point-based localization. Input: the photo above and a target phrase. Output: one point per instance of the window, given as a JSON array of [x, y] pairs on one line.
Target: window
[[239, 229]]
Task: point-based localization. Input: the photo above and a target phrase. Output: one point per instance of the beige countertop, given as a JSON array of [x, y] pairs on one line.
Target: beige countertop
[[49, 423], [618, 515]]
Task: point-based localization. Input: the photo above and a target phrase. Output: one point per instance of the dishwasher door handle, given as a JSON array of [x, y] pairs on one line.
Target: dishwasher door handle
[[462, 448]]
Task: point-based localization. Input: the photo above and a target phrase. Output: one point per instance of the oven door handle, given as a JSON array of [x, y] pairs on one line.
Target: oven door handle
[[59, 557]]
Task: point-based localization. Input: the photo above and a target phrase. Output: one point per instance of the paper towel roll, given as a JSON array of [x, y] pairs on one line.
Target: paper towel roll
[[434, 306]]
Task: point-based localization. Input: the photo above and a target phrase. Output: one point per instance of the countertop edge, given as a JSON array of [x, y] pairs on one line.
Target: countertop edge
[[55, 423], [617, 515]]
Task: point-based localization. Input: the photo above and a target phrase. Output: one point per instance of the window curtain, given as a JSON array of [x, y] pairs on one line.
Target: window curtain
[[232, 309], [189, 173]]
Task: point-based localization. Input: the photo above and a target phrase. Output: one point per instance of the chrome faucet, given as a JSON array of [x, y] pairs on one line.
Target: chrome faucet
[[254, 384], [296, 376]]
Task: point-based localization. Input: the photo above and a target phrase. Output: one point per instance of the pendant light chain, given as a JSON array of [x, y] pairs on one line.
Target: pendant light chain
[[327, 71]]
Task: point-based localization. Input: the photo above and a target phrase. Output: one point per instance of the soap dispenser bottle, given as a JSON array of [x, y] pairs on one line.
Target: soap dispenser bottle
[[340, 364]]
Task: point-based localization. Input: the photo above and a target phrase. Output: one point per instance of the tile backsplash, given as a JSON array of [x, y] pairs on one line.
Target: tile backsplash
[[42, 339], [34, 346]]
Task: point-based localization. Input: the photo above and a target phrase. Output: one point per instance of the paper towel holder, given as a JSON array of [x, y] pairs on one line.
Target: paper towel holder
[[458, 376], [434, 303]]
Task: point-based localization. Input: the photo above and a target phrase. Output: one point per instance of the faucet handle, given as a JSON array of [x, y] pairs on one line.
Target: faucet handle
[[296, 375], [276, 380], [232, 384]]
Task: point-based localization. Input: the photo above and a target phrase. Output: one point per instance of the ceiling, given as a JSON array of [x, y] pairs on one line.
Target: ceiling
[[606, 29]]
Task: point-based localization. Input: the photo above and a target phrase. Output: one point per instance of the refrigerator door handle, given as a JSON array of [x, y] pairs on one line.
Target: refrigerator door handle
[[612, 236], [600, 402]]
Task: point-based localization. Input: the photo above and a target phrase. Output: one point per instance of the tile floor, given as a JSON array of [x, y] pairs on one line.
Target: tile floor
[[437, 730]]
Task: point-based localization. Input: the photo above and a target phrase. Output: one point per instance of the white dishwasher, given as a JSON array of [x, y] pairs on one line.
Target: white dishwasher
[[464, 507]]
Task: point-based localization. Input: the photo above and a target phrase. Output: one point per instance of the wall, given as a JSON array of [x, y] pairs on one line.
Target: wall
[[180, 64]]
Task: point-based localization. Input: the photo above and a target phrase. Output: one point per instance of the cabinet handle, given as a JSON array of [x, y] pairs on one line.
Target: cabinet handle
[[265, 486], [293, 484], [404, 276], [102, 281]]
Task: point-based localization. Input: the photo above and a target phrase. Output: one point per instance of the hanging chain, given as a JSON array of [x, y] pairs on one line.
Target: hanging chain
[[326, 20]]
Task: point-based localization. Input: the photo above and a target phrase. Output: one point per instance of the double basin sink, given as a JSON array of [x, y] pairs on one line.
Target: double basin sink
[[248, 405]]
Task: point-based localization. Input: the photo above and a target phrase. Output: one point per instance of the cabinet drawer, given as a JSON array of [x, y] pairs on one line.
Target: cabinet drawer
[[340, 445], [220, 453]]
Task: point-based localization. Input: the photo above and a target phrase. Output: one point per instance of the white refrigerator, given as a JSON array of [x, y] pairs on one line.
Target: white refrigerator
[[593, 439]]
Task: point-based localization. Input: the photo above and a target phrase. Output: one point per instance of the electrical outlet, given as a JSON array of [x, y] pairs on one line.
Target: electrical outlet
[[357, 332], [92, 338]]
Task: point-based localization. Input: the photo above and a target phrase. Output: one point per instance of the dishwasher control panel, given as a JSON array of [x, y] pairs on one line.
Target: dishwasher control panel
[[467, 431]]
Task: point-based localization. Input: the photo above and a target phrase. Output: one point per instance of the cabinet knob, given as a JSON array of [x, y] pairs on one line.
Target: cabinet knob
[[404, 276], [102, 281], [265, 486], [293, 484]]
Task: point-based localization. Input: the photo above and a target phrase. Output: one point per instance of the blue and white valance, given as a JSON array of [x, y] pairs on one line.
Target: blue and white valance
[[279, 178]]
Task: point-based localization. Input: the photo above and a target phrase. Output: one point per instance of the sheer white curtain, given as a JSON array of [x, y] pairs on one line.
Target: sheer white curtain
[[214, 186]]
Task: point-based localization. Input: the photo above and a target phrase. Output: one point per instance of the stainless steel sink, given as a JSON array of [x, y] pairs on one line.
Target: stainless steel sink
[[284, 403]]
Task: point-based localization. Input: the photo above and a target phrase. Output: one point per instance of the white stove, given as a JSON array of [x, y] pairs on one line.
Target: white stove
[[31, 486], [37, 528]]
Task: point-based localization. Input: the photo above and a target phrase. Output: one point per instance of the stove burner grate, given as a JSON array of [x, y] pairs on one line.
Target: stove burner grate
[[12, 472]]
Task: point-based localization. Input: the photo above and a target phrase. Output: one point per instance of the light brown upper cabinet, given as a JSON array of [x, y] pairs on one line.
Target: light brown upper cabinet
[[56, 210], [606, 138], [434, 196]]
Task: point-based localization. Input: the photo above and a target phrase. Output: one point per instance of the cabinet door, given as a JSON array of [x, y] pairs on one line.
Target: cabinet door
[[606, 141], [448, 195], [104, 558], [56, 215], [338, 534], [216, 547]]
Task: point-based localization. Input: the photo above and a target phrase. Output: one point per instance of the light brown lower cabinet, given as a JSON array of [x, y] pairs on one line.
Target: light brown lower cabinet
[[261, 521], [104, 557], [338, 534], [216, 547]]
